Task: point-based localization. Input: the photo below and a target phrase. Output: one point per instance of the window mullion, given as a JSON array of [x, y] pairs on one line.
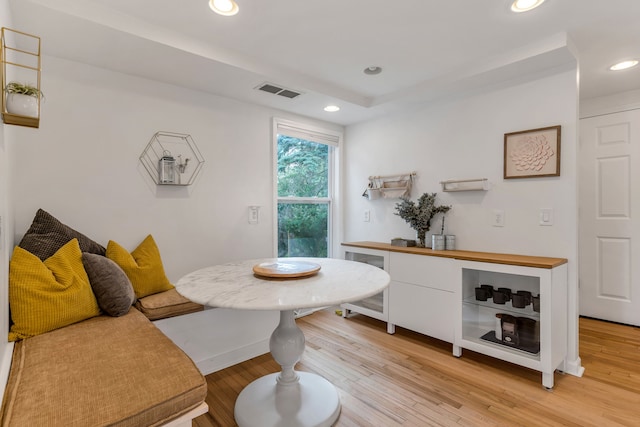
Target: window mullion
[[310, 200]]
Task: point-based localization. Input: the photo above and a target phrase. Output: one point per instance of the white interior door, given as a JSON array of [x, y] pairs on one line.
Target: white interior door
[[609, 219]]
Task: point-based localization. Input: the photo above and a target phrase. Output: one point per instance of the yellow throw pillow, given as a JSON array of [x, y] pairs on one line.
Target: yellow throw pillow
[[143, 267], [48, 295]]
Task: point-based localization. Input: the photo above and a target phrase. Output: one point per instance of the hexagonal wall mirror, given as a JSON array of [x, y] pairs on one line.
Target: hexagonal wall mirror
[[172, 159]]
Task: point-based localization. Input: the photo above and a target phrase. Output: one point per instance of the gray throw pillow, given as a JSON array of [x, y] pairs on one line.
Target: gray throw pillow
[[110, 284], [46, 235]]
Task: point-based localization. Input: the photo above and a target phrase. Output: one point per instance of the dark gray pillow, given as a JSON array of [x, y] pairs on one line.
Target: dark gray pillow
[[110, 284], [46, 235]]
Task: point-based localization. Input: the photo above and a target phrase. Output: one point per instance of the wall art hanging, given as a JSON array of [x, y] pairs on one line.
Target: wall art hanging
[[532, 153]]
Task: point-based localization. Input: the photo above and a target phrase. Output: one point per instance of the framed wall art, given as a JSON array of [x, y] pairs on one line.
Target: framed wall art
[[532, 153]]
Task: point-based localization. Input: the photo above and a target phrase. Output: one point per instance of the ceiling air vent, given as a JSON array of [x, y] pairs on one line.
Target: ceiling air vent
[[276, 90]]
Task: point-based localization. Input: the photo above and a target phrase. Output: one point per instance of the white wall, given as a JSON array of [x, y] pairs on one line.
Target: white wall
[[6, 227], [464, 139], [83, 167], [615, 103]]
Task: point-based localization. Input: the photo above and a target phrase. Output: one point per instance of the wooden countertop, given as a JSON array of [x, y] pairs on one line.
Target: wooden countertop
[[510, 259]]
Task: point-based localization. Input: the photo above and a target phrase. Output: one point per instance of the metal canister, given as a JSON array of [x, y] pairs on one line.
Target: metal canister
[[437, 242], [450, 242]]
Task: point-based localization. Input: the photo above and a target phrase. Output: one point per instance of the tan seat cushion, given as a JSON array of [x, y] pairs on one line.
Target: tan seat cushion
[[166, 304], [115, 371]]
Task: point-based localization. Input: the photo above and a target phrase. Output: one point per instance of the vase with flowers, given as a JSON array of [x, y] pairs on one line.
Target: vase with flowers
[[419, 215]]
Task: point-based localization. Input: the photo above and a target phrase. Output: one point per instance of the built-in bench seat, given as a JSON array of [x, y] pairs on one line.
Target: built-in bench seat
[[103, 371], [84, 356]]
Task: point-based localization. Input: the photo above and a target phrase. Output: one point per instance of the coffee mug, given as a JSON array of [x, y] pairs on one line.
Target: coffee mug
[[527, 296], [489, 289], [507, 292], [482, 294], [500, 297], [518, 300], [536, 303]]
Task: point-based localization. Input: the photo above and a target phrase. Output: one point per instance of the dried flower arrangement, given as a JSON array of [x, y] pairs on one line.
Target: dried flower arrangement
[[419, 216]]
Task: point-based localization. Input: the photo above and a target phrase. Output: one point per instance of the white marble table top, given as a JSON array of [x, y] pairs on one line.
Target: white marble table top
[[234, 285]]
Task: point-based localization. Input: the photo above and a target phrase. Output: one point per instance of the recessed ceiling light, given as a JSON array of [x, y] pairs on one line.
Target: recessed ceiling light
[[525, 5], [371, 71], [623, 65], [331, 108], [224, 7]]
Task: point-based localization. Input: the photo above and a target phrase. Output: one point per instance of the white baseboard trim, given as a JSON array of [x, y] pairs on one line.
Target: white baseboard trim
[[233, 357], [574, 367]]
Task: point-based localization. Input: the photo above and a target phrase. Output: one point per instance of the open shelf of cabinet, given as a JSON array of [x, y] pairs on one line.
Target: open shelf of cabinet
[[376, 306], [478, 318]]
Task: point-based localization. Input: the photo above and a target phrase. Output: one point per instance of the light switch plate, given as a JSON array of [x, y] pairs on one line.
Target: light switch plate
[[254, 214], [546, 217]]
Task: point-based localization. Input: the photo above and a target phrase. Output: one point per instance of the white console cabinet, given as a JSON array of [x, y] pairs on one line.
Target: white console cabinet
[[423, 294], [434, 293]]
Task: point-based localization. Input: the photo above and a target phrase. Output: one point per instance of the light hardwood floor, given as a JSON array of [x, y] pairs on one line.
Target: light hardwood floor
[[408, 379]]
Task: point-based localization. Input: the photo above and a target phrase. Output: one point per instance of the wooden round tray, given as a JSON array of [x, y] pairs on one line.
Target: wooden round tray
[[286, 269]]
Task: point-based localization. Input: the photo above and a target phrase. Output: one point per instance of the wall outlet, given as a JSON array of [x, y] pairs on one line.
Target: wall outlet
[[498, 218], [366, 217]]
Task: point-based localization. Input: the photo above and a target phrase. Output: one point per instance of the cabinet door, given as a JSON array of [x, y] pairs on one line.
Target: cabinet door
[[421, 309], [432, 272], [375, 306]]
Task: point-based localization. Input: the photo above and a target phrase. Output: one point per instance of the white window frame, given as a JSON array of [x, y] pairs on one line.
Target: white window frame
[[333, 139]]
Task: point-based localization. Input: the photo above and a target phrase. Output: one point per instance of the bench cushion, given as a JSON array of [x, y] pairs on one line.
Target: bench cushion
[[166, 304], [115, 371]]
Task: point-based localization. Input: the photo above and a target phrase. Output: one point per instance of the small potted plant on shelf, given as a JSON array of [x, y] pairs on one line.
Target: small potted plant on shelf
[[419, 216], [22, 99]]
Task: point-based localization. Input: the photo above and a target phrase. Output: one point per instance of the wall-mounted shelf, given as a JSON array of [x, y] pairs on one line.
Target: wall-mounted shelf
[[389, 186], [182, 149], [479, 184], [21, 62]]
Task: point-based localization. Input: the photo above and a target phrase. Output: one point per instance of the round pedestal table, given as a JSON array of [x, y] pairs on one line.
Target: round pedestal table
[[287, 398]]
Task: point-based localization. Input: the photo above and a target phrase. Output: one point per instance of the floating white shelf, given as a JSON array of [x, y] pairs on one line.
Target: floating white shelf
[[479, 184]]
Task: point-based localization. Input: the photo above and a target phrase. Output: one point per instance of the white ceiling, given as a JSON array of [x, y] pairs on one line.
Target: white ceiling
[[428, 49]]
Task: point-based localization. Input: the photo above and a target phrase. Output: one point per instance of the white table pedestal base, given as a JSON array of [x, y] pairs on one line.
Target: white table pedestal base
[[288, 398], [311, 402]]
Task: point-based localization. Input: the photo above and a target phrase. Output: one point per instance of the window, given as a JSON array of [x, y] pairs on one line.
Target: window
[[305, 179]]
